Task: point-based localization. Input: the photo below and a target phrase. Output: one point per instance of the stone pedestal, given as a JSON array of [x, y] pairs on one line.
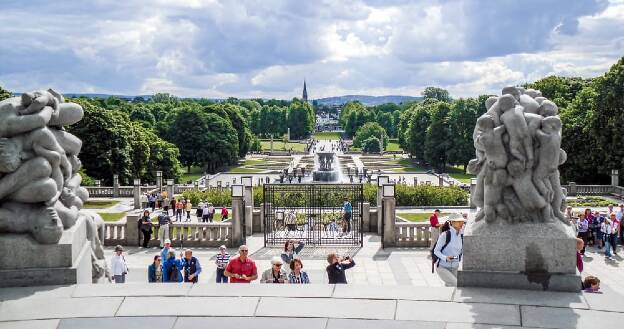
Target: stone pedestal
[[238, 210], [248, 197], [389, 220], [115, 186], [25, 262], [531, 256]]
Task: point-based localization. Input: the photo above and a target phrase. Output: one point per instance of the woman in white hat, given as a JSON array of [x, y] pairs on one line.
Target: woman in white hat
[[448, 250], [276, 274], [119, 267]]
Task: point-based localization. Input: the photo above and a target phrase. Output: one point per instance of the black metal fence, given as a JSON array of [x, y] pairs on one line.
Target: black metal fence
[[312, 213]]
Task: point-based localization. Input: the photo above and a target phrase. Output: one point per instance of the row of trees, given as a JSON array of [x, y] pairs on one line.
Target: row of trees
[[274, 120], [354, 115]]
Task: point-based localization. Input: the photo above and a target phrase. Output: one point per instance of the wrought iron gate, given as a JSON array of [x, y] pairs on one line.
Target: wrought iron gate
[[312, 213]]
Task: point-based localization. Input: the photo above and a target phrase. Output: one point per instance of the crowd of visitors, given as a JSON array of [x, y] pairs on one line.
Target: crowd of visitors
[[600, 229]]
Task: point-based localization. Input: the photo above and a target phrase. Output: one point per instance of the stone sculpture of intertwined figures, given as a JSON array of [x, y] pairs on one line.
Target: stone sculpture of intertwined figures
[[40, 192], [518, 152]]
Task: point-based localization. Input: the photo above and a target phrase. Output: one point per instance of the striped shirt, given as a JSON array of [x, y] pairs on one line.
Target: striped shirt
[[222, 260]]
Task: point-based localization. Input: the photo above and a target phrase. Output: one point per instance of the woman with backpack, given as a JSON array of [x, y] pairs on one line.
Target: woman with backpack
[[172, 268], [447, 252]]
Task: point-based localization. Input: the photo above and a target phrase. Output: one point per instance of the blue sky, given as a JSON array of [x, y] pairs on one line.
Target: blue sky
[[264, 48]]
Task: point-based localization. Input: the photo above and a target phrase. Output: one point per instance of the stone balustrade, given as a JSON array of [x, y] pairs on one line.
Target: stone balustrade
[[412, 234], [109, 191]]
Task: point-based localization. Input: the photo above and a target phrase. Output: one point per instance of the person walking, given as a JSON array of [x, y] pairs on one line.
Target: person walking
[[191, 267], [173, 203], [607, 232], [224, 214], [119, 267], [583, 228], [179, 207], [337, 267], [163, 227], [164, 253], [434, 221], [146, 227], [205, 215], [155, 270], [188, 207], [276, 274], [448, 249], [290, 251], [297, 276], [151, 199], [172, 267], [211, 212], [223, 258], [347, 210], [165, 205], [241, 269], [199, 211]]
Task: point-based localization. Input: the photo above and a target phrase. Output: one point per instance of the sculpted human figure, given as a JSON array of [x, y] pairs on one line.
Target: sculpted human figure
[[490, 140], [528, 195], [548, 109], [520, 142], [548, 154]]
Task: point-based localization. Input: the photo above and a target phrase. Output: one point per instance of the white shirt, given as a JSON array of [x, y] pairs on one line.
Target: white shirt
[[454, 248], [619, 214], [118, 265]]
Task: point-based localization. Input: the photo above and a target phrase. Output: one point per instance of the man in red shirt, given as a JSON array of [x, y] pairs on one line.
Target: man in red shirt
[[241, 269], [435, 227]]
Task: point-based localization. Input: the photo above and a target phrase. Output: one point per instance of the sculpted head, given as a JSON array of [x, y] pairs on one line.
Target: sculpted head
[[10, 155], [510, 90], [485, 122], [490, 101], [551, 124], [533, 93], [548, 109], [506, 102]]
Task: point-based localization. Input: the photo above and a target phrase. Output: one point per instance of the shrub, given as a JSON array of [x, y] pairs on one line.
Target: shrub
[[371, 145]]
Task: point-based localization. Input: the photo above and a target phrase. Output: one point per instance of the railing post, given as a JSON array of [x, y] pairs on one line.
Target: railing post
[[389, 213], [98, 183], [137, 194], [170, 188], [440, 180], [238, 213], [366, 217], [247, 182], [572, 191], [132, 230], [159, 180], [115, 186], [615, 177]]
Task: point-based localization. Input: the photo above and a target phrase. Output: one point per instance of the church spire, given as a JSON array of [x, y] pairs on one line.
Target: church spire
[[305, 92]]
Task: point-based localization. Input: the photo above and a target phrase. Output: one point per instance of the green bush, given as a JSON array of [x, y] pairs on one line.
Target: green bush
[[218, 197], [371, 145], [589, 201], [421, 195]]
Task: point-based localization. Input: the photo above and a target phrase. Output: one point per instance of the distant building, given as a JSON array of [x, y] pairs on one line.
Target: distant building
[[305, 92]]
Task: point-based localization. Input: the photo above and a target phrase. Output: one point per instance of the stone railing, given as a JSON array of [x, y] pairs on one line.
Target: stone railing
[[574, 189], [412, 234], [181, 234], [108, 191]]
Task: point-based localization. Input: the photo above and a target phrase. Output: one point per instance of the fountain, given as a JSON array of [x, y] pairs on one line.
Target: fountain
[[325, 171]]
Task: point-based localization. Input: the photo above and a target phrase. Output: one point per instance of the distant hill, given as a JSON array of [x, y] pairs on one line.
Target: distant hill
[[76, 95], [367, 100]]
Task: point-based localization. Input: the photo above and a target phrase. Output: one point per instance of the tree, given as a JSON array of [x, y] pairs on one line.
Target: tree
[[437, 138], [386, 120], [371, 145], [417, 131], [4, 94], [561, 90], [436, 93], [186, 128], [301, 119], [461, 120], [143, 115], [371, 129]]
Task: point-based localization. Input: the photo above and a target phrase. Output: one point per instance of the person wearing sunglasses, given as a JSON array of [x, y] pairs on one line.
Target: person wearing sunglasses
[[276, 274], [241, 269]]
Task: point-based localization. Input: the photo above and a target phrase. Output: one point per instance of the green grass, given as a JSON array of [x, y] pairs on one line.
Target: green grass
[[408, 165], [112, 216], [392, 146], [281, 146], [418, 217], [242, 170], [195, 174], [327, 135], [589, 201], [253, 162], [99, 204], [458, 173]]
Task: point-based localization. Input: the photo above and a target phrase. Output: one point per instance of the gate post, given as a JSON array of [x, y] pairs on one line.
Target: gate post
[[366, 217], [381, 181], [137, 194], [389, 213], [238, 214], [247, 182], [115, 186]]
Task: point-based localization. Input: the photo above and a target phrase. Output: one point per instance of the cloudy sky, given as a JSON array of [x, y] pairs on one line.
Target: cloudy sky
[[264, 48]]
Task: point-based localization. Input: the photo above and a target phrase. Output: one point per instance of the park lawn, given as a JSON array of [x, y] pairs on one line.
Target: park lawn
[[253, 162], [458, 173], [281, 146], [418, 217], [392, 146], [327, 135], [112, 216], [408, 165], [243, 170], [99, 204], [195, 174]]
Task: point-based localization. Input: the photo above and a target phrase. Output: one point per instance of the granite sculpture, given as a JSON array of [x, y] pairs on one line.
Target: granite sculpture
[[518, 152], [40, 192]]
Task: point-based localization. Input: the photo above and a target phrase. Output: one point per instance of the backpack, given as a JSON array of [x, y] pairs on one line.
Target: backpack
[[446, 230], [174, 273]]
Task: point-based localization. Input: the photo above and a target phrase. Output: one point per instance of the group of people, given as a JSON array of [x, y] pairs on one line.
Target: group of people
[[180, 207], [169, 267], [600, 229]]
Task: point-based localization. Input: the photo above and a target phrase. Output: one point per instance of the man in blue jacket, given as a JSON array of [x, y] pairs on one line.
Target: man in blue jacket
[[172, 268], [191, 267]]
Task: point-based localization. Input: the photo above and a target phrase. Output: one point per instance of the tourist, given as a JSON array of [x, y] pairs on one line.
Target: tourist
[[144, 201], [448, 249], [159, 200], [188, 206], [146, 227], [163, 227], [173, 203], [609, 209], [223, 258], [172, 267], [290, 251], [610, 235], [336, 268], [435, 227], [164, 253], [591, 284], [119, 267], [276, 274], [211, 212], [151, 199], [205, 215], [291, 221], [596, 225], [224, 214], [179, 206], [191, 267], [583, 228], [297, 276], [155, 270], [165, 205], [579, 257], [241, 269], [568, 214], [199, 211], [347, 210]]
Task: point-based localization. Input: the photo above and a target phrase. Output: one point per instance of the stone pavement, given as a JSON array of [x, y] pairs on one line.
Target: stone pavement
[[319, 306]]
